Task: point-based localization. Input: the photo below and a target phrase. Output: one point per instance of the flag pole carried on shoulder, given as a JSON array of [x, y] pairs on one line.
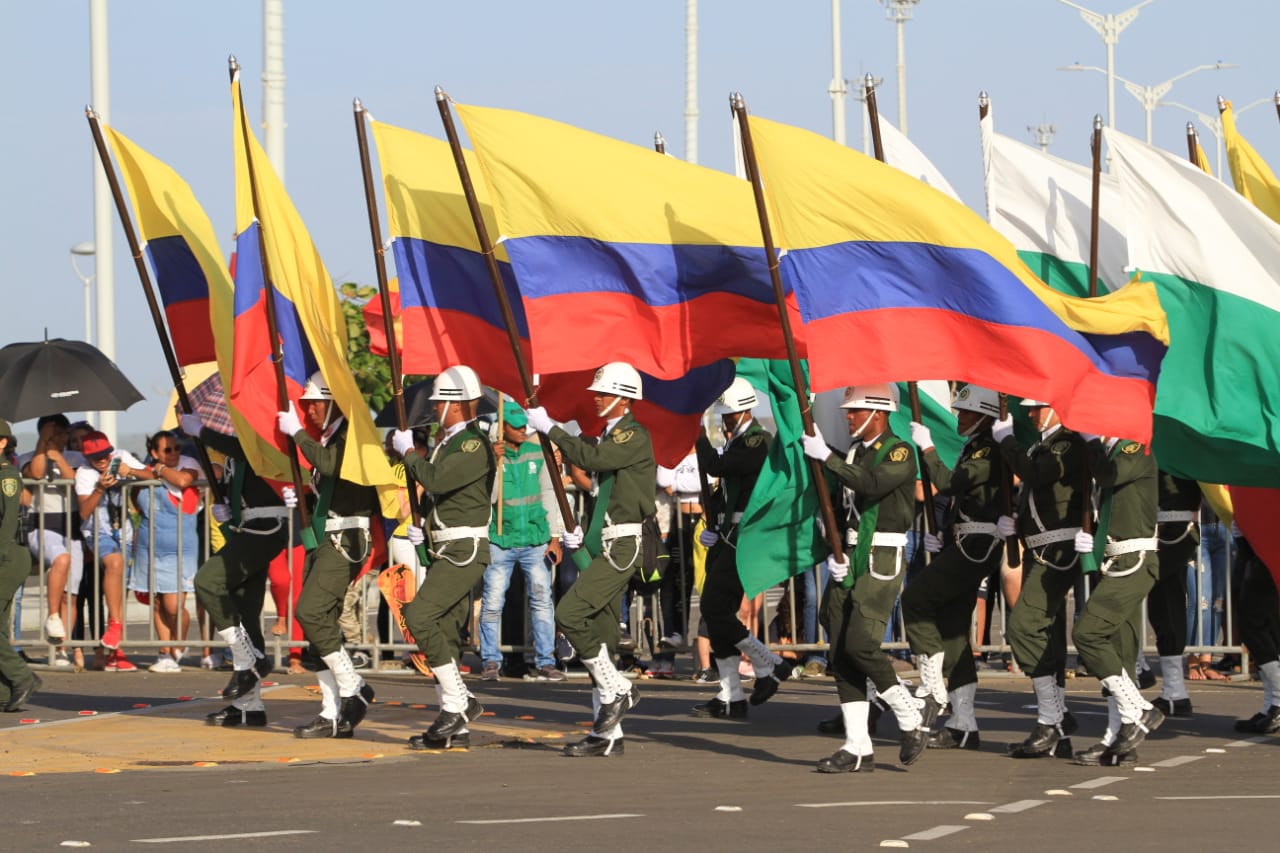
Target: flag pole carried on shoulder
[[144, 278], [273, 327], [913, 390], [739, 108], [1087, 561], [384, 295]]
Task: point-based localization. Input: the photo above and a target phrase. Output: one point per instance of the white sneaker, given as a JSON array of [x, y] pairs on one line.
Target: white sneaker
[[54, 629], [60, 660], [207, 662], [672, 641], [165, 664]]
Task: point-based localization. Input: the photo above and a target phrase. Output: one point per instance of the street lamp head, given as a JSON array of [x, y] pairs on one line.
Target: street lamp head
[[84, 248]]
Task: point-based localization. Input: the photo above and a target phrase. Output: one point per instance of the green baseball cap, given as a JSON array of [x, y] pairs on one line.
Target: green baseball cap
[[514, 415]]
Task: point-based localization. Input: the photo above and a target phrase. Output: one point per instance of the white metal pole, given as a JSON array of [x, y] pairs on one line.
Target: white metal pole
[[837, 88], [691, 81], [902, 71], [1110, 40], [103, 261], [273, 83]]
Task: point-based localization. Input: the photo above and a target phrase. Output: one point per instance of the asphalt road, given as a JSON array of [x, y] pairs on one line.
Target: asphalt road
[[682, 784]]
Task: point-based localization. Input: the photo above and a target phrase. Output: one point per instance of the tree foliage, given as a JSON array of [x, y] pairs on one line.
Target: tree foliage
[[372, 372]]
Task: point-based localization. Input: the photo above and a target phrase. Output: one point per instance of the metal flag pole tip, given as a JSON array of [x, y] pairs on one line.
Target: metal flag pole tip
[[232, 62], [984, 100], [356, 105], [1097, 121], [1222, 103], [440, 95], [869, 80]]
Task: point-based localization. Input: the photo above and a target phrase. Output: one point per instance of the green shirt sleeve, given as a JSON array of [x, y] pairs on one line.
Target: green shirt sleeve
[[1126, 465], [325, 460], [609, 455], [871, 481]]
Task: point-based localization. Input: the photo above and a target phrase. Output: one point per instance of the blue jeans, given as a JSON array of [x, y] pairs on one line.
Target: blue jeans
[[537, 581], [1215, 546], [810, 613]]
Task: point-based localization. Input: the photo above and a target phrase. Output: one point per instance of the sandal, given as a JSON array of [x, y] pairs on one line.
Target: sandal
[[1195, 669], [1210, 672]]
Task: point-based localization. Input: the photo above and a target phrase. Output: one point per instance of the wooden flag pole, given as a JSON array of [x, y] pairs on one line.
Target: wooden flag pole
[[1086, 520], [500, 293], [384, 294], [1193, 141], [913, 390], [273, 327], [739, 108], [148, 290]]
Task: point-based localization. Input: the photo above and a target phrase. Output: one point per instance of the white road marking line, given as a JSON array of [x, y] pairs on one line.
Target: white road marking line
[[176, 839], [894, 803], [936, 832], [1100, 782], [1227, 797], [1249, 741], [1178, 761], [1018, 806], [548, 819]]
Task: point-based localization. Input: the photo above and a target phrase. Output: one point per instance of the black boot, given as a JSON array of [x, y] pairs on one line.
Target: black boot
[[833, 726], [233, 716], [912, 745], [1132, 734], [1101, 755], [1174, 708], [353, 709], [1040, 743], [462, 740], [611, 713], [21, 692], [449, 723], [322, 727], [768, 685], [949, 738], [842, 761], [592, 745], [244, 680], [736, 710]]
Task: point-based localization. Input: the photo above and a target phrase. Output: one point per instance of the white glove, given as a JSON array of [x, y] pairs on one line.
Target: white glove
[[920, 436], [288, 421], [815, 446], [222, 512], [932, 543], [191, 424], [1084, 543], [415, 535], [290, 497], [1006, 527], [1002, 428], [402, 441], [708, 538], [571, 539], [839, 571], [540, 420]]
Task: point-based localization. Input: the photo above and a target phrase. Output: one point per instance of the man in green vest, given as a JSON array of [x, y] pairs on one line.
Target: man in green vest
[[458, 481], [878, 480], [937, 606], [341, 522], [1108, 632], [233, 582], [1055, 488], [17, 681], [737, 465], [624, 477]]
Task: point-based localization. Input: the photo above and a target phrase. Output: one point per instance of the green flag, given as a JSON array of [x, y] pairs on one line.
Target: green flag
[[779, 536]]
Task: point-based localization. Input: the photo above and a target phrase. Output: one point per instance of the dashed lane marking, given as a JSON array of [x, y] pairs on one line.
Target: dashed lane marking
[[548, 819], [1100, 782], [1018, 806], [893, 803], [1177, 761], [179, 839], [934, 833]]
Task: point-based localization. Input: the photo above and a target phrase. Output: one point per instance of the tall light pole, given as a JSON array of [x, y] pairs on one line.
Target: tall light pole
[[104, 257], [1042, 133], [1213, 123], [691, 81], [837, 89], [85, 250], [1109, 27], [899, 11], [273, 83], [1149, 96]]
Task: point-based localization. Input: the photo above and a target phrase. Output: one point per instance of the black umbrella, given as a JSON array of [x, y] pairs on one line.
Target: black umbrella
[[421, 411], [49, 377]]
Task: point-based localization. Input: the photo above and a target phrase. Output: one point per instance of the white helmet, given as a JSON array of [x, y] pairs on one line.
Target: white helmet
[[975, 398], [881, 397], [738, 397], [456, 383], [618, 378], [316, 388], [1031, 403]]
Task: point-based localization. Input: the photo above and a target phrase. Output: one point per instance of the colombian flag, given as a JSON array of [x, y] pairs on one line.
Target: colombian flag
[[622, 253], [449, 314], [895, 281]]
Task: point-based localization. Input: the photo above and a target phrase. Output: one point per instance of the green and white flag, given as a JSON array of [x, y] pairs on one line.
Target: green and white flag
[[1041, 203], [902, 154], [1214, 259]]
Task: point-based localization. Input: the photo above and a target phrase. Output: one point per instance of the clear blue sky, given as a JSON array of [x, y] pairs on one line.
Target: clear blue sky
[[613, 67]]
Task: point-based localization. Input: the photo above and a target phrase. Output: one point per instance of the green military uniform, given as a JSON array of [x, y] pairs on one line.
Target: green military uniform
[[232, 583], [1108, 631], [1050, 509], [1260, 633], [879, 479], [16, 678], [342, 549], [624, 465], [1179, 534], [737, 468], [937, 606], [458, 478]]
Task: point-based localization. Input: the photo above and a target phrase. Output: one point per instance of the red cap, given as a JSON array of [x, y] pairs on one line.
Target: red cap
[[96, 444]]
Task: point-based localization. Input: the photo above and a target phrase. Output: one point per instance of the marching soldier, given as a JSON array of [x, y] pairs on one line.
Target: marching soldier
[[879, 479], [458, 478], [1051, 507], [737, 465], [1108, 632], [1260, 632], [1179, 533], [623, 474], [341, 523], [937, 606], [233, 582], [17, 681]]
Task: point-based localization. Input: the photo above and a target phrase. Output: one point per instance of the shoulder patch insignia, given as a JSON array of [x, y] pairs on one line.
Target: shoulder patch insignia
[[623, 436], [471, 445], [10, 486], [981, 453], [899, 454], [1131, 447], [753, 440], [1060, 447], [876, 446]]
